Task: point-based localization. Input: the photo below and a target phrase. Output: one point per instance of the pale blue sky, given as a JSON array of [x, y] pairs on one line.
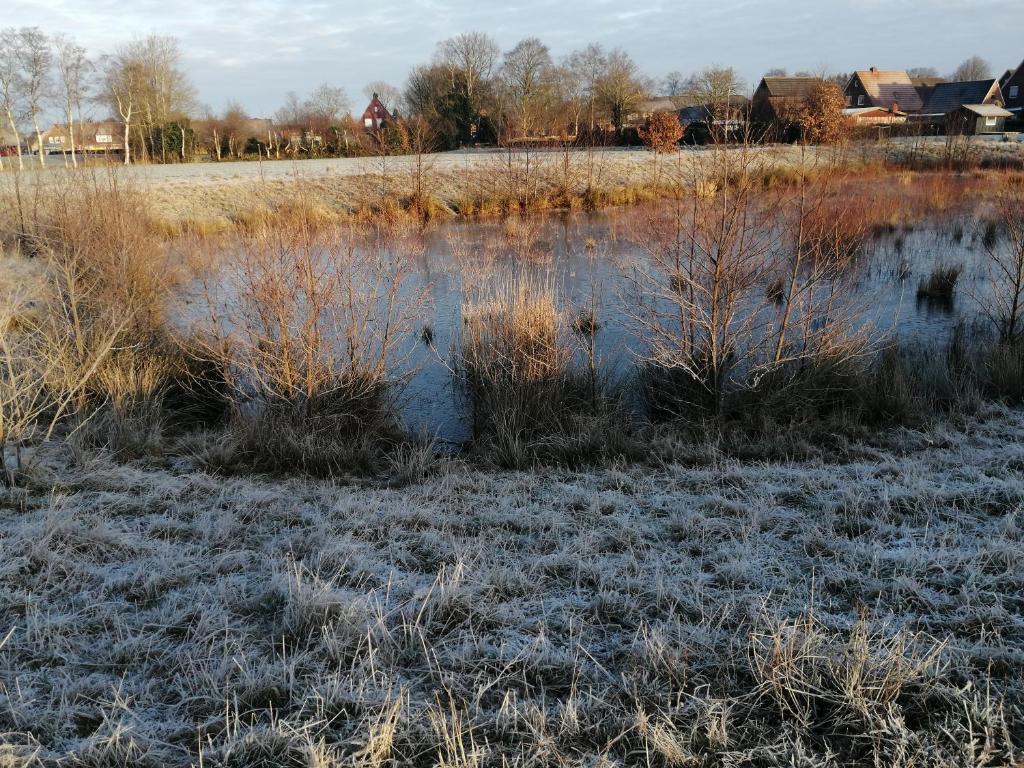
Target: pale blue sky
[[254, 52]]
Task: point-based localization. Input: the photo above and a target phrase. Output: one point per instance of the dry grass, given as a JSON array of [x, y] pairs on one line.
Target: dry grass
[[865, 613], [529, 398]]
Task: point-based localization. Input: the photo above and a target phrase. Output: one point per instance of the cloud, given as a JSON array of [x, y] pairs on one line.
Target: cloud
[[255, 52]]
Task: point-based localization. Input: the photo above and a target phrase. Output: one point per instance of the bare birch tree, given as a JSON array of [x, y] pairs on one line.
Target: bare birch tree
[[34, 79], [123, 83], [73, 66], [9, 85]]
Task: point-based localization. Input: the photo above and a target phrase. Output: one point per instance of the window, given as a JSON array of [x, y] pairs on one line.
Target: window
[[860, 100], [104, 138], [1014, 91], [990, 121], [368, 122]]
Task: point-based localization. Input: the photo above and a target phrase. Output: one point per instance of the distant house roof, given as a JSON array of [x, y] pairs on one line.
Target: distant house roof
[[375, 113], [872, 112], [987, 110], [946, 97], [659, 104], [790, 87], [925, 86], [887, 87]]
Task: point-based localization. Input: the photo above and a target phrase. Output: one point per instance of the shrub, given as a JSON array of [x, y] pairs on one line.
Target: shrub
[[661, 132]]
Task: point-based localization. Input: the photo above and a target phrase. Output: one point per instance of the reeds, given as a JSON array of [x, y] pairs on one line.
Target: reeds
[[938, 289], [528, 398]]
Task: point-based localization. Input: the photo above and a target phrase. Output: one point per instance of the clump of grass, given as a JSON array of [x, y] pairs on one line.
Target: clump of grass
[[939, 288], [527, 399], [775, 291]]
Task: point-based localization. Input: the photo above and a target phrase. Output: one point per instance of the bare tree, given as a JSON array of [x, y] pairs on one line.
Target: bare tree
[[327, 105], [123, 82], [1005, 264], [9, 70], [974, 68], [474, 55], [35, 58], [673, 84], [527, 74], [469, 60], [620, 86], [151, 86], [73, 66], [587, 66]]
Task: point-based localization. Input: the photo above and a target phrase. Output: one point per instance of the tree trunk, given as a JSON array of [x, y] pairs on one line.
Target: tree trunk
[[71, 129], [17, 139], [127, 145], [39, 144]]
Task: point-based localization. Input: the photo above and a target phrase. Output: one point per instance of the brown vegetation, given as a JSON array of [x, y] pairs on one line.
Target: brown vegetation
[[661, 132]]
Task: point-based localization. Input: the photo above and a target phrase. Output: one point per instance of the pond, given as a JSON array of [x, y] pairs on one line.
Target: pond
[[588, 258]]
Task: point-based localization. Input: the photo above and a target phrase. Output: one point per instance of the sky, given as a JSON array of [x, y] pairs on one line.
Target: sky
[[255, 52]]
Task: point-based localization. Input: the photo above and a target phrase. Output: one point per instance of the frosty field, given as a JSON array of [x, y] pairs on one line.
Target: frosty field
[[862, 609]]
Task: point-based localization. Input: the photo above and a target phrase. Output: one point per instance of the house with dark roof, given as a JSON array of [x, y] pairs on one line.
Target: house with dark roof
[[925, 85], [1013, 92], [948, 97], [777, 100], [888, 89], [375, 114], [966, 109]]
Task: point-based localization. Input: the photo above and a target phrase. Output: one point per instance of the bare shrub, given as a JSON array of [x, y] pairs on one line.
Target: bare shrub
[[307, 323], [744, 301], [1005, 265]]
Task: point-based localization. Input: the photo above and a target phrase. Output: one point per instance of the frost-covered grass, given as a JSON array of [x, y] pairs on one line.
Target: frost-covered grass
[[864, 613]]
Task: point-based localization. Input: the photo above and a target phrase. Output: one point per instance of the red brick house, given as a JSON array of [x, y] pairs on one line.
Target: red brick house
[[375, 114]]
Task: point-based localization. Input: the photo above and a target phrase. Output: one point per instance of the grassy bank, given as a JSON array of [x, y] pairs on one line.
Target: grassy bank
[[815, 613], [212, 198]]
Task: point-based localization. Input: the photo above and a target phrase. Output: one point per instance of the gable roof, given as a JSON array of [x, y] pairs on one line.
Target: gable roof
[[376, 110], [790, 87], [888, 87], [949, 96], [657, 104]]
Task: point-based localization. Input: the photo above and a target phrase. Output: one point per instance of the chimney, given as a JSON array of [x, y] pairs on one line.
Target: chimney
[[874, 69], [374, 94]]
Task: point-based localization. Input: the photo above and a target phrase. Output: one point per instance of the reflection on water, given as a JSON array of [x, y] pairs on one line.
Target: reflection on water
[[588, 259], [592, 260]]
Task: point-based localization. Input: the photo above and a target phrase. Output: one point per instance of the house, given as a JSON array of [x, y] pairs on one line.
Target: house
[[644, 109], [874, 116], [948, 97], [977, 120], [889, 89], [778, 99], [1013, 92], [100, 138], [8, 143], [925, 86], [375, 114]]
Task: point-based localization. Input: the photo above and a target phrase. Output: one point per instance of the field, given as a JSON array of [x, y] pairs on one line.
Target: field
[[210, 196], [861, 610], [775, 537]]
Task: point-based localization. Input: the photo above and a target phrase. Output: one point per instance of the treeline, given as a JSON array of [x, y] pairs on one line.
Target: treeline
[[470, 92]]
